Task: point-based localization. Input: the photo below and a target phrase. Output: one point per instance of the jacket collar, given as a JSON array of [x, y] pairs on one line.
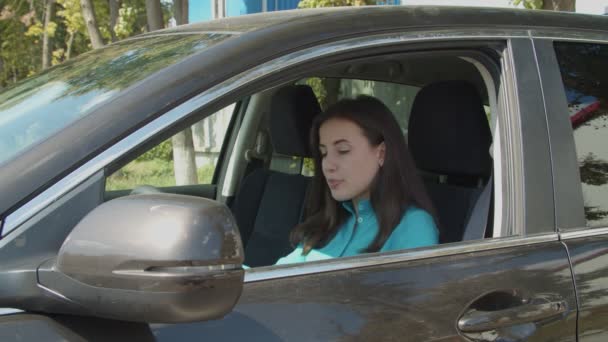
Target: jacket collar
[[365, 207]]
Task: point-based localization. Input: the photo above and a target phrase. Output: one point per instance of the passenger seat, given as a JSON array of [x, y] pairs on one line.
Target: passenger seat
[[269, 204], [449, 137]]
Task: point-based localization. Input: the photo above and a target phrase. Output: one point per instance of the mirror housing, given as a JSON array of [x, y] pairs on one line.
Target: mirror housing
[[149, 258]]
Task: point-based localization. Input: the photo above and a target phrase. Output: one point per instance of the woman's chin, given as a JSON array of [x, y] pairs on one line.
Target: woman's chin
[[340, 197]]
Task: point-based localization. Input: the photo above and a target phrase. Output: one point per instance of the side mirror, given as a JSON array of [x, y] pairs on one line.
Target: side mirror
[[149, 258]]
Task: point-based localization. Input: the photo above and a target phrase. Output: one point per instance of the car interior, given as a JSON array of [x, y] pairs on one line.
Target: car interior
[[445, 102]]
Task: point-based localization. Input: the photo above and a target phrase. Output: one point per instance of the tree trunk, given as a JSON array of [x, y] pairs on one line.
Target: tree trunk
[[154, 14], [114, 6], [69, 44], [559, 5], [218, 9], [183, 158], [183, 143], [181, 11], [88, 14], [332, 89], [47, 44]]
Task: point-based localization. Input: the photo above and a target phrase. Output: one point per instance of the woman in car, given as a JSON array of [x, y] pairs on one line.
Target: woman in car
[[366, 194]]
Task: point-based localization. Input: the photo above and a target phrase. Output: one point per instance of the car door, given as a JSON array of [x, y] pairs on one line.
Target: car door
[[509, 288], [575, 83], [516, 285]]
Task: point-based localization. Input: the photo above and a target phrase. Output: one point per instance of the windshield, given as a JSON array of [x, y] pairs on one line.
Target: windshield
[[40, 106]]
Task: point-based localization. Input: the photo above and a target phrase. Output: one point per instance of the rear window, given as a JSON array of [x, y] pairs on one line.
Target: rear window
[[38, 107], [585, 78]]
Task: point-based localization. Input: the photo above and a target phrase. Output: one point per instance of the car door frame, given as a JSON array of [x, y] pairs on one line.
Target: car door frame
[[586, 246]]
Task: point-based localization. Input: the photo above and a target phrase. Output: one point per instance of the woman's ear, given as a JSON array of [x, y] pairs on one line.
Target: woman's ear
[[381, 152]]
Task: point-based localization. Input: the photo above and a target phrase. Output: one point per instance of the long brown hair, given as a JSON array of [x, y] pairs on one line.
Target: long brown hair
[[395, 188]]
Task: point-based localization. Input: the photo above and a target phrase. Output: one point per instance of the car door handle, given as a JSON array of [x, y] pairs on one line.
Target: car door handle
[[479, 321]]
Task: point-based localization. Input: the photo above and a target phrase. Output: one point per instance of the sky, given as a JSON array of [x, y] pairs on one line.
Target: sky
[[582, 6]]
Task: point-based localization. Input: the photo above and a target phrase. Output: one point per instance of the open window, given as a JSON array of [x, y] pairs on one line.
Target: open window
[[186, 163], [445, 101], [452, 143]]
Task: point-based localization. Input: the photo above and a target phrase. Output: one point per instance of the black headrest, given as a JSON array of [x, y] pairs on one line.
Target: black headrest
[[448, 130], [292, 111]]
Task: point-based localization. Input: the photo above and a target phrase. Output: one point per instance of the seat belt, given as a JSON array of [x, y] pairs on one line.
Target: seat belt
[[476, 227]]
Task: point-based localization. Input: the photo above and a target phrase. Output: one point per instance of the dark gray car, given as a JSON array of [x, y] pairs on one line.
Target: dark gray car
[[505, 113]]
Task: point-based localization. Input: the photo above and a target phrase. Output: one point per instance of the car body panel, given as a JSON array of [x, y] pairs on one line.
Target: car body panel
[[589, 257], [413, 300]]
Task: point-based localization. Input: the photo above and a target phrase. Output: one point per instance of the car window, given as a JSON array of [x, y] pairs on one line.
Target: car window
[[40, 106], [397, 97], [188, 158], [585, 79], [452, 185]]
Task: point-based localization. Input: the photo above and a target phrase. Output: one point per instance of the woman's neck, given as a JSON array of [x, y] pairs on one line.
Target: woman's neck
[[355, 201]]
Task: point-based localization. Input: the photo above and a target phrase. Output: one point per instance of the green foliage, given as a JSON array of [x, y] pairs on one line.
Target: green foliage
[[309, 167], [334, 3], [205, 174], [163, 151], [529, 4], [71, 15], [21, 31], [20, 54], [112, 68]]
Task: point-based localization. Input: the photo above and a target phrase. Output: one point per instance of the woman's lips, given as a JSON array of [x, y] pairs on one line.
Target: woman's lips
[[333, 184]]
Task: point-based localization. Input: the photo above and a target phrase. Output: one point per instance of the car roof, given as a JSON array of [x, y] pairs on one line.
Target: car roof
[[403, 16], [259, 37]]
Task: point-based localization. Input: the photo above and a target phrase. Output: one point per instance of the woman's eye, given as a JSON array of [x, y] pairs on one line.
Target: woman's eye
[[343, 151]]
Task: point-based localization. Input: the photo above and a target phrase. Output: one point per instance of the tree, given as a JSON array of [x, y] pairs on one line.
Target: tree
[[20, 40], [88, 13], [154, 14], [552, 5], [184, 161], [31, 40], [327, 88], [181, 11], [114, 12], [48, 31]]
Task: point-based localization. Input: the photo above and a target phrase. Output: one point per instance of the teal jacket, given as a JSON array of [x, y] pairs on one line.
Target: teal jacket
[[416, 229]]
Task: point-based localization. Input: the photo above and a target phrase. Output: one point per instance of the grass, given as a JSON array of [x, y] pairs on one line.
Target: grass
[[155, 172]]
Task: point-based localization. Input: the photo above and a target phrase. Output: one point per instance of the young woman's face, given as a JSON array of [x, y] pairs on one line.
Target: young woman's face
[[349, 162]]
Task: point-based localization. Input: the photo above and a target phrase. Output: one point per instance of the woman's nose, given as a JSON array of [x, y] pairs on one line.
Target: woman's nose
[[329, 165]]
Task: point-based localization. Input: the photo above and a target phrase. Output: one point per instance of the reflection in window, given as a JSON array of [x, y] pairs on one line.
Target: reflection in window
[[38, 107], [585, 77]]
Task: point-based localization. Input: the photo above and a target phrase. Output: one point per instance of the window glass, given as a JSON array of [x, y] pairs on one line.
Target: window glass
[[189, 157], [42, 105], [585, 77]]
